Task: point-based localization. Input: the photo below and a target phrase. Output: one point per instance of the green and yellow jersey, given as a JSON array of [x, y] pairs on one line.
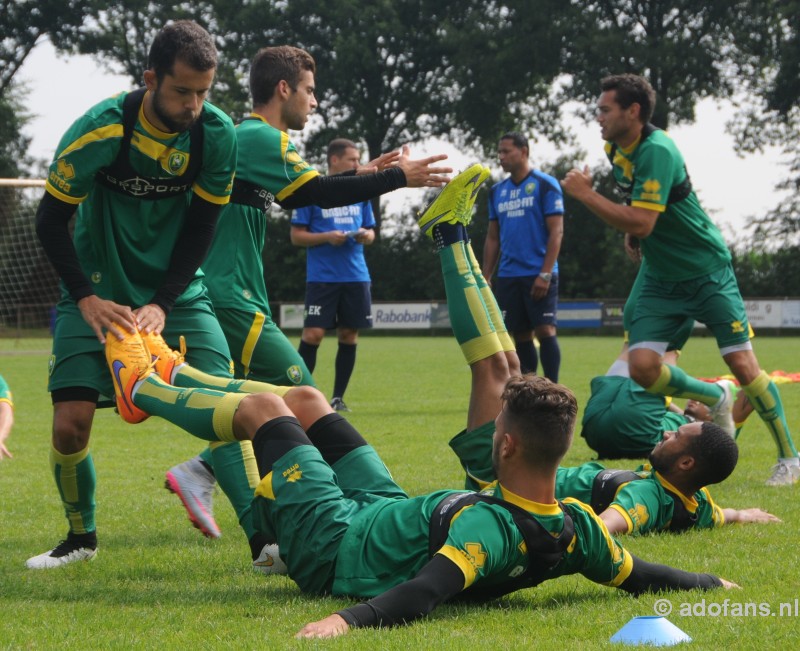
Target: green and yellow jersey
[[684, 243], [234, 267], [646, 504], [124, 242]]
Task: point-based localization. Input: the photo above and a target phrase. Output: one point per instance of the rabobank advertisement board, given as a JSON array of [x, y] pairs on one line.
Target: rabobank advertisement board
[[762, 313]]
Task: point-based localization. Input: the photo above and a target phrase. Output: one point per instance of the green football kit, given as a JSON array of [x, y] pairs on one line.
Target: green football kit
[[133, 186], [689, 275], [621, 419], [648, 503], [269, 168]]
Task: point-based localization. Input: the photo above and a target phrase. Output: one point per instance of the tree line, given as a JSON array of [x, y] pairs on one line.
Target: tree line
[[396, 71]]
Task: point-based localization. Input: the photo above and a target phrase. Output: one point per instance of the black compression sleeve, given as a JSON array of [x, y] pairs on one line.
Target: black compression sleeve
[[52, 219], [652, 577], [189, 252], [438, 581], [344, 189]]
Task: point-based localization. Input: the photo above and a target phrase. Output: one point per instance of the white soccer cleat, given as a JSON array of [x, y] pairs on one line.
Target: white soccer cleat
[[65, 552], [194, 485], [784, 473], [270, 562], [722, 412]]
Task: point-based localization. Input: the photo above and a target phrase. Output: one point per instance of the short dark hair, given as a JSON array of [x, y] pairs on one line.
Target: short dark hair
[[715, 454], [184, 40], [271, 65], [338, 146], [542, 413], [632, 89], [517, 138]]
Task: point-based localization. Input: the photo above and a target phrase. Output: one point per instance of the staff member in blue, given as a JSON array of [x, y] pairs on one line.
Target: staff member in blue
[[526, 225], [337, 279]]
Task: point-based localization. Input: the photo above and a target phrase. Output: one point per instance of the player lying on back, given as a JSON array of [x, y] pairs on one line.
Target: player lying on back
[[667, 494]]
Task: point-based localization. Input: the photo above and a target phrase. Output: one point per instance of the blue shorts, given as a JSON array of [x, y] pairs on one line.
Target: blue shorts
[[338, 305], [520, 311]]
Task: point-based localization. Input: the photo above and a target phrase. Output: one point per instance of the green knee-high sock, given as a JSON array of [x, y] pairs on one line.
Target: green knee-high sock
[[237, 473], [766, 400], [191, 378], [469, 318], [205, 413], [76, 481], [495, 313], [675, 382]]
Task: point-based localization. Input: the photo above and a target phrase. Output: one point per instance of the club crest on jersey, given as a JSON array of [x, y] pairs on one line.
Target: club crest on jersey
[[737, 326], [177, 161], [294, 374], [530, 188]]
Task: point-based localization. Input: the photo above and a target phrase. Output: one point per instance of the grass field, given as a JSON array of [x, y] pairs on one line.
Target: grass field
[[156, 583]]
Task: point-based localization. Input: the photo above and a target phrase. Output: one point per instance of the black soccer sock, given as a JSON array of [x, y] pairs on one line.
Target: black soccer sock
[[550, 353], [88, 539], [345, 363], [309, 354], [274, 439], [528, 359], [446, 234], [334, 437]]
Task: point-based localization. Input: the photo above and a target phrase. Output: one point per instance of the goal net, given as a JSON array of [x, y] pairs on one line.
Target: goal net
[[28, 283]]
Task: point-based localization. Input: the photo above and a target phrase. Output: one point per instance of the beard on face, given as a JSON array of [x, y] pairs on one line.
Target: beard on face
[[173, 124], [662, 462]]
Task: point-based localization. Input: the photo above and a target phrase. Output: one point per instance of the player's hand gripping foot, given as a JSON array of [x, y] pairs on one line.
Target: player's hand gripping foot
[[454, 203], [165, 359], [194, 484], [129, 362]]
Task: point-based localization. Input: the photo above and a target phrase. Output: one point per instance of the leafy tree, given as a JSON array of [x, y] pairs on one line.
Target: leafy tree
[[25, 22], [683, 47]]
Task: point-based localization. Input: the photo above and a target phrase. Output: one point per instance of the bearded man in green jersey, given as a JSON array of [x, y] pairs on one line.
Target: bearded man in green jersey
[[689, 271], [147, 173]]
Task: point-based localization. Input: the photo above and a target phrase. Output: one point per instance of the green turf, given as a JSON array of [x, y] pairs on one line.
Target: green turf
[[156, 583]]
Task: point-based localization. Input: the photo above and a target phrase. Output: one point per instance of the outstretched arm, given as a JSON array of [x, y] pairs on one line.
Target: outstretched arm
[[749, 515], [652, 577], [436, 582]]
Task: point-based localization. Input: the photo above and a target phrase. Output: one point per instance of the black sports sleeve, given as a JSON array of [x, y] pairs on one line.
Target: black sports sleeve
[[344, 189], [189, 252], [438, 581], [52, 228], [652, 577]]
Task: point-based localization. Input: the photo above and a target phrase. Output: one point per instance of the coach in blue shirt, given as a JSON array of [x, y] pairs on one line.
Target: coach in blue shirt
[[526, 224]]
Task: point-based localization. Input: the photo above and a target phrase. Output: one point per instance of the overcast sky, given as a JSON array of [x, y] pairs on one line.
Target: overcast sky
[[730, 188]]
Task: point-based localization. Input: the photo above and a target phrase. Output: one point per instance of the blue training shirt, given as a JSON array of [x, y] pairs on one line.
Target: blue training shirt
[[520, 210], [326, 263]]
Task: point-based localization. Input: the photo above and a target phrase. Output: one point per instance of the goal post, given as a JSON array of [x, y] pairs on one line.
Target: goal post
[[28, 283]]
